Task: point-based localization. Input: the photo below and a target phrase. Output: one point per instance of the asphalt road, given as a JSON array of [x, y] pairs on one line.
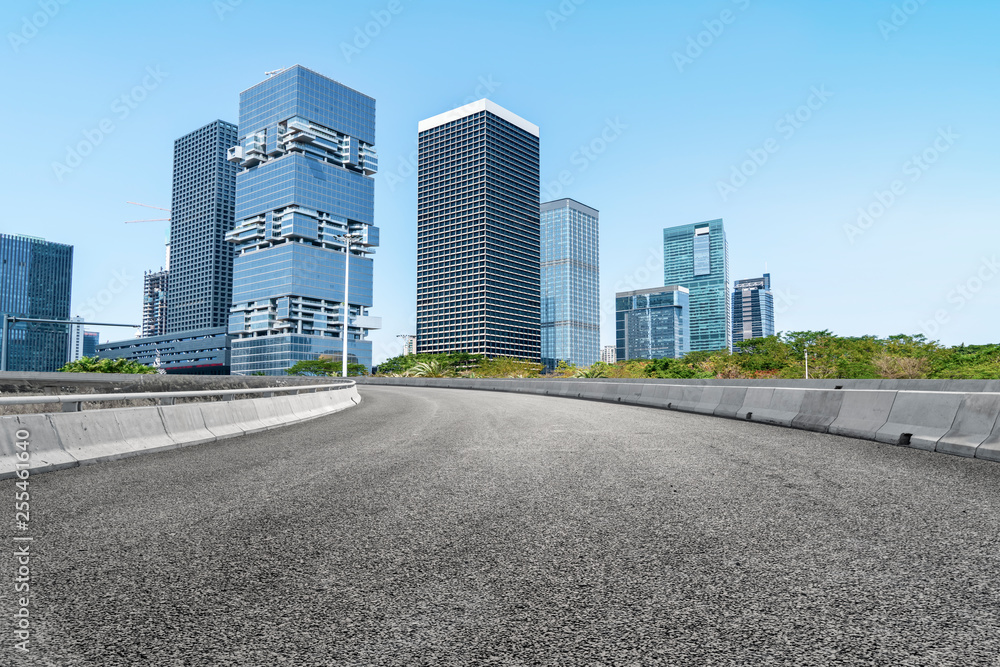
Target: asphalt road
[[449, 527]]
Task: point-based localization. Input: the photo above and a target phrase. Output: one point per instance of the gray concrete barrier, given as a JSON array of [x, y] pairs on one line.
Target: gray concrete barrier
[[67, 439], [817, 409], [975, 421], [965, 422], [731, 402], [920, 418], [43, 451], [863, 413], [990, 449]]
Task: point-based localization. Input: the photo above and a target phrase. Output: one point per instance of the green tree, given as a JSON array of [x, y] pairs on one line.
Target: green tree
[[325, 367]]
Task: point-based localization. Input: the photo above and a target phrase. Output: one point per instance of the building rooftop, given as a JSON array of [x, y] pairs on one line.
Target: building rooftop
[[474, 108], [571, 203], [654, 290]]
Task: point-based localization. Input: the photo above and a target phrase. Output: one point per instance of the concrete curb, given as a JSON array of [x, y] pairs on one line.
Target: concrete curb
[[69, 439]]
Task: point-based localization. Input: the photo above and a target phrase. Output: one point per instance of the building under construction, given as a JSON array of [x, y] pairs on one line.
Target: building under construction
[[154, 302]]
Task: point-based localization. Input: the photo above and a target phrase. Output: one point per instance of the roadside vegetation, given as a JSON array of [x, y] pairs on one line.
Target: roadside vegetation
[[781, 356], [98, 365], [325, 367]]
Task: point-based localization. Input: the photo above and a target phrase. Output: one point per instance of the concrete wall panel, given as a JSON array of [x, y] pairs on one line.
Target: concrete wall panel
[[90, 435], [863, 413], [924, 416], [975, 421], [731, 401], [44, 449], [818, 409]]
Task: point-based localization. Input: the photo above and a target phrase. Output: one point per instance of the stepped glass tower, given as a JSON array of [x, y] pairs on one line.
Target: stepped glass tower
[[307, 159]]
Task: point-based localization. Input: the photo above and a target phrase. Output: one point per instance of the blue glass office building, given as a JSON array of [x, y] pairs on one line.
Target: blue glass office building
[[697, 257], [478, 233], [201, 214], [653, 323], [571, 320], [753, 308], [307, 159], [36, 280]]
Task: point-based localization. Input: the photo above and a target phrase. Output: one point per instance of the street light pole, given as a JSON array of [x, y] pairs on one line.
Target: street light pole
[[348, 239], [807, 362], [3, 346]]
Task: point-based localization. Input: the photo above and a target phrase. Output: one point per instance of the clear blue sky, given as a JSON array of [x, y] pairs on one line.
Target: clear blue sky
[[667, 120]]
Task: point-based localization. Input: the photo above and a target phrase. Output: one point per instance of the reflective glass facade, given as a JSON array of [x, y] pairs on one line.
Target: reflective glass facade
[[652, 323], [697, 257], [478, 233], [90, 341], [36, 280], [570, 319], [307, 159], [201, 214], [753, 308]]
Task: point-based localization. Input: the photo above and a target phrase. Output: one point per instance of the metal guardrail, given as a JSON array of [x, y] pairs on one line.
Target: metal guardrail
[[73, 402]]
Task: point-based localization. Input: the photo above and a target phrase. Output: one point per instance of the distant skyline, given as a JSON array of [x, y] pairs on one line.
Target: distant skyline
[[850, 147]]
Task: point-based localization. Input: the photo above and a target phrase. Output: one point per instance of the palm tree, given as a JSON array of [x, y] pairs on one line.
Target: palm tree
[[428, 369]]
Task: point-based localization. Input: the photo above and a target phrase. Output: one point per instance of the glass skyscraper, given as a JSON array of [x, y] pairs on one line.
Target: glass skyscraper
[[697, 257], [36, 280], [201, 214], [307, 157], [753, 308], [478, 233], [653, 323], [571, 320]]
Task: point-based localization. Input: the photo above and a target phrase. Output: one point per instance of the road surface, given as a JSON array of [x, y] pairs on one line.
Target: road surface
[[450, 527]]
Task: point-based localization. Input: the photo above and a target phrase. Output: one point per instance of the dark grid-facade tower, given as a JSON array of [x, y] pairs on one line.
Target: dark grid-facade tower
[[478, 234], [753, 308], [36, 280], [201, 214]]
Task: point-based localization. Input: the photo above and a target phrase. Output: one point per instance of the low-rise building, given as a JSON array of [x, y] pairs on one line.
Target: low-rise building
[[200, 352]]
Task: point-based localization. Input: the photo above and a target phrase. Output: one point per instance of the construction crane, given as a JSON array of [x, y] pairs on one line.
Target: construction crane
[[406, 342], [149, 219]]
